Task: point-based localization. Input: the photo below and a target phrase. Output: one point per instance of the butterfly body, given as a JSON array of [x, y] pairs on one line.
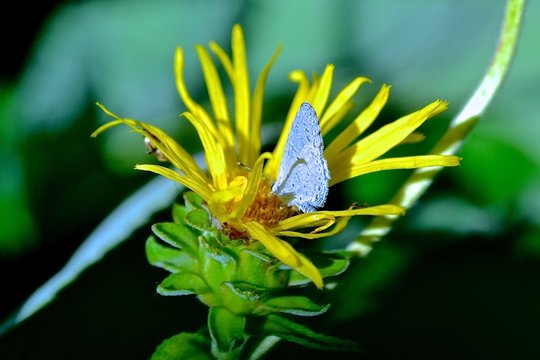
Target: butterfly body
[[303, 175]]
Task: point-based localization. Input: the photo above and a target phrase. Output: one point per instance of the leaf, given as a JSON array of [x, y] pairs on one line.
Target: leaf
[[199, 219], [177, 235], [328, 263], [179, 213], [226, 331], [240, 297], [294, 305], [275, 325], [193, 200], [183, 346], [184, 283], [167, 258]]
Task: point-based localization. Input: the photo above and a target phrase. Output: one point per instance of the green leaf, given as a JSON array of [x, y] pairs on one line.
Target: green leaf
[[328, 263], [183, 346], [184, 283], [242, 298], [179, 213], [501, 180], [199, 219], [219, 263], [167, 258], [226, 331], [177, 235], [193, 200], [294, 305], [275, 325]]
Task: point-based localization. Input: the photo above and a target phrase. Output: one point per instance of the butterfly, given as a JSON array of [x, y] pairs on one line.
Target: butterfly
[[303, 175]]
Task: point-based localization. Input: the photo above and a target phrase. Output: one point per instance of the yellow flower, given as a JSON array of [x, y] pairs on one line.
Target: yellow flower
[[237, 187]]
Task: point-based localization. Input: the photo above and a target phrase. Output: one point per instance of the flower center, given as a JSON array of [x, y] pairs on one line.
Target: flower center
[[267, 209]]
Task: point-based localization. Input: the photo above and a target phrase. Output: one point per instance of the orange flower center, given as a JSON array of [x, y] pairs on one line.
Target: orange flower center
[[267, 209]]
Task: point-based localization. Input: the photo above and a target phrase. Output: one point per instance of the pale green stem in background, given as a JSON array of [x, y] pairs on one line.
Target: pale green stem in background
[[459, 128]]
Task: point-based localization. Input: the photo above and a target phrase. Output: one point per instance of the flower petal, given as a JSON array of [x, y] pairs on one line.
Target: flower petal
[[339, 102], [348, 171], [200, 188], [284, 252], [320, 98], [256, 108], [241, 97], [175, 153], [379, 142], [359, 125], [252, 187], [340, 225], [215, 158], [217, 98]]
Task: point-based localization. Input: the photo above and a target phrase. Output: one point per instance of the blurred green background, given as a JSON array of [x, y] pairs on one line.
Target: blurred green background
[[458, 278]]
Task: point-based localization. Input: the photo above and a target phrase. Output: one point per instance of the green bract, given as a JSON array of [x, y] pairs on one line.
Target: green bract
[[247, 289]]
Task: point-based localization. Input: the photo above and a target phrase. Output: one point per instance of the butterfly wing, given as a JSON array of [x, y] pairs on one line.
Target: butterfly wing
[[303, 173]]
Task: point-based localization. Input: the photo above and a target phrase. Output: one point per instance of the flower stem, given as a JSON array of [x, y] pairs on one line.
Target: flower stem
[[459, 128]]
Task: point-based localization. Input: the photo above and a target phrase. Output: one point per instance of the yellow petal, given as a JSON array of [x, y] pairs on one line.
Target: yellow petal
[[176, 154], [284, 252], [340, 225], [359, 124], [223, 58], [215, 158], [217, 98], [241, 97], [256, 110], [379, 142], [320, 98], [252, 187], [415, 137], [341, 100], [200, 188], [349, 171]]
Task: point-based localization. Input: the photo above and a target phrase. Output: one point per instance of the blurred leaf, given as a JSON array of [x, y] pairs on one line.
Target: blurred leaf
[[17, 228], [120, 53], [452, 214], [183, 346], [494, 171]]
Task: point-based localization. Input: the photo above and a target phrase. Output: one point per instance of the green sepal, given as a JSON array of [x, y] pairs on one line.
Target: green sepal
[[193, 201], [167, 258], [275, 325], [183, 283], [328, 263], [184, 346], [179, 213], [254, 267], [227, 332], [294, 305], [241, 298], [199, 219], [218, 264], [177, 235]]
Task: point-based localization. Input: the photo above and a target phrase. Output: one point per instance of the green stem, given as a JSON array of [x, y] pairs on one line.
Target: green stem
[[459, 128]]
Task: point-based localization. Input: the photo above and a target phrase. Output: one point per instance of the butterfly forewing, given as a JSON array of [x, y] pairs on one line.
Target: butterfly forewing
[[303, 173]]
